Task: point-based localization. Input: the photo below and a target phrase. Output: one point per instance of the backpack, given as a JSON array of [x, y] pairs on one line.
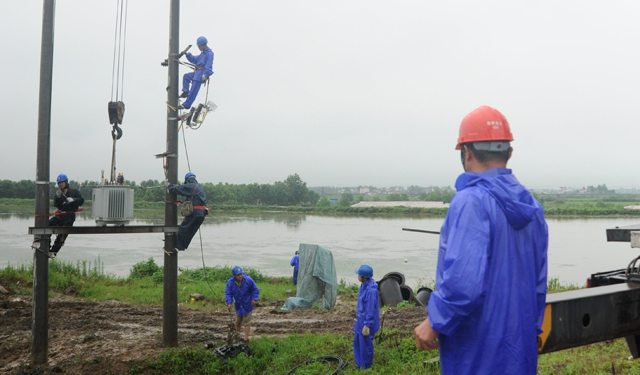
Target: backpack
[[186, 208]]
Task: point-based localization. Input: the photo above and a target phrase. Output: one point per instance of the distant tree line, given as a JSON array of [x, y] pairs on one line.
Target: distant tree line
[[290, 192]]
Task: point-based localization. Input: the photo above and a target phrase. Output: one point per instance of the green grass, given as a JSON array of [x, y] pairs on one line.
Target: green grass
[[554, 206], [144, 285], [396, 353]]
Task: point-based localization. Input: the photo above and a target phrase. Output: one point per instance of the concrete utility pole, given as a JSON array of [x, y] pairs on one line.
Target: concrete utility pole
[[170, 306], [40, 306]]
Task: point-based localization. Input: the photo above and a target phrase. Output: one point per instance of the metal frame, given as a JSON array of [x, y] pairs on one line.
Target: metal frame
[[104, 230]]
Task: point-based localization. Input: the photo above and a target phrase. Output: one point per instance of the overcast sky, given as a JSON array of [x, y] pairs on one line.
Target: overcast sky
[[344, 93]]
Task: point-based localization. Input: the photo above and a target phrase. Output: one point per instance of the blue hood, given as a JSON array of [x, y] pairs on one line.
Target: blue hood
[[516, 202]]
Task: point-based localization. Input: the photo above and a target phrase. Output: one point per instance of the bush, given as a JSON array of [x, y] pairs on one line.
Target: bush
[[145, 269]]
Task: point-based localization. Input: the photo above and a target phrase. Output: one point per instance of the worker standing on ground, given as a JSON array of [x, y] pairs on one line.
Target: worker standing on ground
[[194, 192], [243, 290], [295, 262], [200, 75], [491, 279], [67, 201], [367, 318]]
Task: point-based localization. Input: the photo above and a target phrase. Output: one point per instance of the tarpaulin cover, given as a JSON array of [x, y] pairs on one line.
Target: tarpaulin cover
[[317, 279]]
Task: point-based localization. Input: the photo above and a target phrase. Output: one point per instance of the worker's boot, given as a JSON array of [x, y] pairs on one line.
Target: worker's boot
[[184, 94]]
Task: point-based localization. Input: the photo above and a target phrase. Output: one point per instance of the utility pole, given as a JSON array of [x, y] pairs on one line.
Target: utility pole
[[170, 301], [40, 309]]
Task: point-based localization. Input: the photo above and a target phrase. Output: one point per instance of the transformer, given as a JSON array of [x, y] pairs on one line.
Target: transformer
[[112, 204]]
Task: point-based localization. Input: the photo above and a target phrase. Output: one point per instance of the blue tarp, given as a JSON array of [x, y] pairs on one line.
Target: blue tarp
[[317, 279]]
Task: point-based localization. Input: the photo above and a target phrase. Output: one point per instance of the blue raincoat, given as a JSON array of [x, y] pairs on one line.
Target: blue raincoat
[[295, 262], [243, 294], [204, 59], [367, 314], [491, 279], [190, 224]]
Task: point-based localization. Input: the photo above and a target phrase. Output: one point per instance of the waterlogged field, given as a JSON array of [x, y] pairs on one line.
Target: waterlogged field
[[102, 324]]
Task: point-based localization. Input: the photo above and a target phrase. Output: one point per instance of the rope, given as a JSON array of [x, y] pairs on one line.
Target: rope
[[184, 140], [204, 268]]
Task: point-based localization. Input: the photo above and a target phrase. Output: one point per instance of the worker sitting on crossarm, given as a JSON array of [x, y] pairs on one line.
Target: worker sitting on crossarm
[[202, 72], [67, 201], [193, 192]]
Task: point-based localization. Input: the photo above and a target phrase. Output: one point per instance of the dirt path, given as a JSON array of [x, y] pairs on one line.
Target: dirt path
[[115, 333]]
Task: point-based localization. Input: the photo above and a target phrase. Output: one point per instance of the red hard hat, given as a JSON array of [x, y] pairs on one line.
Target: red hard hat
[[484, 124]]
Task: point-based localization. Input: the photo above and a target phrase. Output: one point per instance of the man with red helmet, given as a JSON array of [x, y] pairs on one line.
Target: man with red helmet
[[491, 278]]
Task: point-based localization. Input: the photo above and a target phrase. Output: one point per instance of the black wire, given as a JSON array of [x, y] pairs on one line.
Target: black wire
[[324, 359]]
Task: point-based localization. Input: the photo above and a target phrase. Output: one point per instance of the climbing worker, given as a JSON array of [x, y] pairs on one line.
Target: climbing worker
[[67, 201], [194, 193], [491, 278], [200, 75], [295, 262], [367, 318], [243, 290]]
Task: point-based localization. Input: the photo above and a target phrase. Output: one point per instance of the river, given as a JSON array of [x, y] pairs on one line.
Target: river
[[267, 241]]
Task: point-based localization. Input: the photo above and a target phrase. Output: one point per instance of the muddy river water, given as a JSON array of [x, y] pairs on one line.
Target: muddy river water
[[267, 241]]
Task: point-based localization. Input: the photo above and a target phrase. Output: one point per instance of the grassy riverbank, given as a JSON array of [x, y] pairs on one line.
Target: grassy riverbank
[[554, 206], [396, 352]]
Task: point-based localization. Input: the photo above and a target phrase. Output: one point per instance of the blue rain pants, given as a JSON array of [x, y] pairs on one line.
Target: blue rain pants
[[188, 228], [193, 79], [363, 350]]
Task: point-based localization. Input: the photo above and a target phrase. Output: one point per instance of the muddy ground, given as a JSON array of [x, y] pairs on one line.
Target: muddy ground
[[111, 334]]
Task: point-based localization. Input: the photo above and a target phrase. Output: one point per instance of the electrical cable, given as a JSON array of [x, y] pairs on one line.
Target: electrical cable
[[184, 140], [324, 359]]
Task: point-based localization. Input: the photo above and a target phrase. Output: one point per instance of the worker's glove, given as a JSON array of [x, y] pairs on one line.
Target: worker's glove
[[69, 200], [204, 78], [59, 193], [229, 307], [166, 184], [365, 331]]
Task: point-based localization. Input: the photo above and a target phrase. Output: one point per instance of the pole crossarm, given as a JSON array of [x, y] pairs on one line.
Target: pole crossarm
[[104, 230]]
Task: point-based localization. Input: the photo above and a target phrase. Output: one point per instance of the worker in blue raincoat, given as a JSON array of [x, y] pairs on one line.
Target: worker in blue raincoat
[[295, 263], [204, 69], [193, 192], [367, 317], [487, 309], [243, 290]]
